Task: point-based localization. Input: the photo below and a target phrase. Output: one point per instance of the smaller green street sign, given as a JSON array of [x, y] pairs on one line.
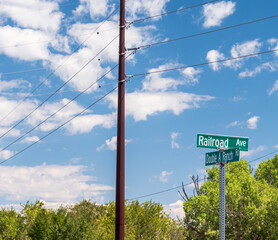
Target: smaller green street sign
[[218, 141], [231, 155]]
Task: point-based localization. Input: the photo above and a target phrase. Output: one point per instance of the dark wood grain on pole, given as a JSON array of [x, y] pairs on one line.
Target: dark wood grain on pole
[[120, 174]]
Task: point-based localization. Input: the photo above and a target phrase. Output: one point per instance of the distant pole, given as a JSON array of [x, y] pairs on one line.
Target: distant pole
[[120, 174], [222, 201]]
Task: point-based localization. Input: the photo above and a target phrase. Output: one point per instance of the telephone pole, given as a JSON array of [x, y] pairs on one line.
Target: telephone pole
[[120, 174]]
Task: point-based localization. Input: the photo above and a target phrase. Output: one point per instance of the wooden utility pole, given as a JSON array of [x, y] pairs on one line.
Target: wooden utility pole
[[120, 174]]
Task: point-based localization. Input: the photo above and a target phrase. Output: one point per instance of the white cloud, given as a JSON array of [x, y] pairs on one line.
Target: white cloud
[[269, 66], [275, 146], [175, 209], [97, 8], [274, 88], [274, 43], [136, 36], [86, 123], [213, 56], [35, 14], [157, 82], [146, 7], [49, 182], [5, 154], [12, 133], [215, 13], [164, 176], [252, 122], [30, 139], [12, 84], [140, 105], [245, 48], [234, 124], [252, 152], [30, 52], [192, 75], [174, 136], [7, 105], [112, 144]]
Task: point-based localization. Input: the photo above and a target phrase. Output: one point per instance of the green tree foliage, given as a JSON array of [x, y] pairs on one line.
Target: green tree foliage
[[87, 221], [268, 171], [251, 206]]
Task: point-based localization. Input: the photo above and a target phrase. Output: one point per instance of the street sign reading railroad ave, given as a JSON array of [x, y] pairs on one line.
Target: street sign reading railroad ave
[[231, 155], [224, 142]]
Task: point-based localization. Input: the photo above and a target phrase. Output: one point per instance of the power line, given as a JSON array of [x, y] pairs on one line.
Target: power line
[[54, 130], [43, 9], [173, 188], [204, 33], [59, 66], [171, 12], [53, 40], [57, 90], [205, 63], [61, 108]]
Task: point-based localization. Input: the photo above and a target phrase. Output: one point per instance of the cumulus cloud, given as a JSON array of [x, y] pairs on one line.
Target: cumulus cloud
[[140, 105], [214, 56], [237, 50], [215, 13], [49, 182], [30, 139], [158, 81], [252, 122], [6, 154], [191, 75], [233, 124], [274, 88], [252, 152], [97, 8], [111, 144], [269, 66], [146, 7], [12, 84], [85, 124], [164, 176], [245, 48], [29, 52], [175, 209], [35, 14], [174, 136]]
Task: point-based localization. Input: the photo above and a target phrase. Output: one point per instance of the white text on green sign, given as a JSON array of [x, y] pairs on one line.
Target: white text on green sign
[[217, 141], [227, 156]]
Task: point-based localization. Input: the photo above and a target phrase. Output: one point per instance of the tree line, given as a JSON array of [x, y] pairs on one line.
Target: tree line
[[251, 212]]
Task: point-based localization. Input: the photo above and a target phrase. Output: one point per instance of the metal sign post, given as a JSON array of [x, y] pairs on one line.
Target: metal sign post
[[229, 148], [222, 201]]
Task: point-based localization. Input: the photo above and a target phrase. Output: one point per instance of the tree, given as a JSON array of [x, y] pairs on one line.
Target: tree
[[11, 225], [248, 204], [268, 171]]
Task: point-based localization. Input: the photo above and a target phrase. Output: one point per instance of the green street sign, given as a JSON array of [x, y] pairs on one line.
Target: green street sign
[[231, 155], [217, 141]]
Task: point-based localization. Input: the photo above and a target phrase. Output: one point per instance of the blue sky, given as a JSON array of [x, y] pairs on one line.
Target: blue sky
[[47, 42]]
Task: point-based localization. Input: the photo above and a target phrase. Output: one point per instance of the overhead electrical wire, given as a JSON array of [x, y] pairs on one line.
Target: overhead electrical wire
[[171, 12], [173, 188], [58, 89], [203, 33], [54, 130], [204, 63], [61, 108], [54, 40], [59, 66]]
